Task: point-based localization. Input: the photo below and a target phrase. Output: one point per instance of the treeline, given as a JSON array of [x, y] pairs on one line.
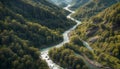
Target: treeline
[[103, 34]]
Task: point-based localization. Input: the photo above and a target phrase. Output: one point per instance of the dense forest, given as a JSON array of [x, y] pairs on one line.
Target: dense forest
[[25, 26], [71, 55], [28, 29], [44, 14], [78, 3], [17, 53], [91, 8], [102, 32], [68, 56]]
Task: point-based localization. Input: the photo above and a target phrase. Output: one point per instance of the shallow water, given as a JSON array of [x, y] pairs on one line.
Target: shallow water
[[44, 52]]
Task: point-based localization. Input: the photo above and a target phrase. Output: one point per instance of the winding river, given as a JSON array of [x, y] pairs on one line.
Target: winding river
[[44, 52]]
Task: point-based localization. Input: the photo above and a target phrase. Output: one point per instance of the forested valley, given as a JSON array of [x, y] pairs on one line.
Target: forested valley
[[101, 29], [26, 26], [84, 35]]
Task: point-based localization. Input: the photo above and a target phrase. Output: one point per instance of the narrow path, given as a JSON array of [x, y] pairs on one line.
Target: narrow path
[[88, 63], [92, 62]]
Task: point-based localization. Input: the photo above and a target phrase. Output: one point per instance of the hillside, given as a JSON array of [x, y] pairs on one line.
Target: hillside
[[92, 8], [27, 29], [31, 34], [78, 3], [26, 26], [40, 11], [103, 34]]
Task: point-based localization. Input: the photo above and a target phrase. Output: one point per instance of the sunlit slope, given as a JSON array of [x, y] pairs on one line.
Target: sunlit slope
[[92, 8], [103, 33]]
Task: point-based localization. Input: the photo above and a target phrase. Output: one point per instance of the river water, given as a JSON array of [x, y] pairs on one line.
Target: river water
[[44, 52]]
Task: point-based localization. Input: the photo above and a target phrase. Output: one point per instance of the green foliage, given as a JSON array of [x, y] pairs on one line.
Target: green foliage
[[25, 25], [40, 12], [21, 20], [76, 40], [36, 34], [66, 58], [102, 31], [92, 8], [16, 53], [78, 3]]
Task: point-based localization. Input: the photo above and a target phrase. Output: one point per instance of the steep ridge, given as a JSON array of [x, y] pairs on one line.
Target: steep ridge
[[78, 3], [25, 25], [45, 51], [36, 34], [41, 13], [67, 53], [92, 8], [102, 32]]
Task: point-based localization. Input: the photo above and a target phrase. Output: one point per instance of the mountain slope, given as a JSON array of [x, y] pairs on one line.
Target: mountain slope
[[26, 26], [78, 3], [103, 34], [92, 8], [17, 53], [40, 13], [27, 30]]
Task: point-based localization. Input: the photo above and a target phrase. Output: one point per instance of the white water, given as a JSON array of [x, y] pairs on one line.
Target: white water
[[44, 52]]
